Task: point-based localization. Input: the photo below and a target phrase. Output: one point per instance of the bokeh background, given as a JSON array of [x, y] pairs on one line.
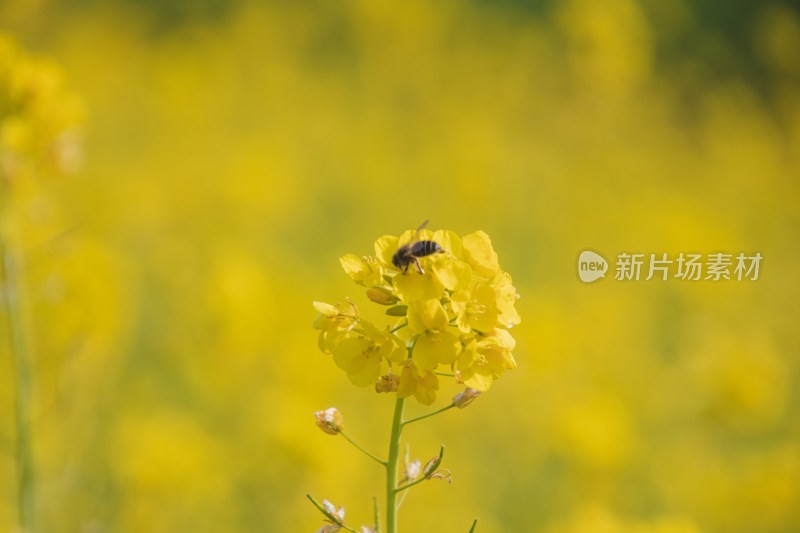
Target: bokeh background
[[232, 151]]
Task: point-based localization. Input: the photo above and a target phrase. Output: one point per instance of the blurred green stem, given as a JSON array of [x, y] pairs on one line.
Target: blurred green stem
[[391, 467], [377, 515], [22, 388]]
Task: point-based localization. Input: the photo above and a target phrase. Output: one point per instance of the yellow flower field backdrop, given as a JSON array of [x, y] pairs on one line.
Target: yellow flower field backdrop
[[232, 153]]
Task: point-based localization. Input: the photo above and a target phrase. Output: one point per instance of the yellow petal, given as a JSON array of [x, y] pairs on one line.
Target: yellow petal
[[478, 381], [449, 241], [474, 369], [421, 383], [392, 348], [408, 381], [458, 302], [415, 286], [363, 270], [326, 309], [497, 355], [385, 247], [506, 299], [426, 315], [426, 388], [483, 315], [479, 254], [352, 264], [452, 274], [355, 356], [432, 350]]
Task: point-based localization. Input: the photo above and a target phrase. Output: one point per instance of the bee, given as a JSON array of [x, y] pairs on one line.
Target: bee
[[411, 251]]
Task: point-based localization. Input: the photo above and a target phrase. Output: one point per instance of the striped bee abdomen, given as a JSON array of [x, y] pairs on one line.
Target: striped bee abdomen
[[423, 248]]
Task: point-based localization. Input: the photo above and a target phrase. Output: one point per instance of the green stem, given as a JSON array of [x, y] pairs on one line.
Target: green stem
[[475, 523], [417, 482], [377, 515], [401, 326], [391, 467], [443, 409], [22, 402], [354, 443]]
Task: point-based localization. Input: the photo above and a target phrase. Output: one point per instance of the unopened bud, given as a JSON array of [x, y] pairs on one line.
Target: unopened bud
[[387, 383], [330, 421], [433, 464], [463, 399], [382, 295]]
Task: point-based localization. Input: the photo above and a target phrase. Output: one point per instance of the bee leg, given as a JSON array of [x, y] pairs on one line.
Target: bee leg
[[405, 270], [416, 262]]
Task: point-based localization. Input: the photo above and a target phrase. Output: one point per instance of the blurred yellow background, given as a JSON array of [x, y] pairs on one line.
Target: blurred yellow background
[[233, 152]]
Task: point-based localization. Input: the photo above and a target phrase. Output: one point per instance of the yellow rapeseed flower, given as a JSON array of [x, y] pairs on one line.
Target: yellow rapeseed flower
[[452, 316], [423, 384], [334, 322]]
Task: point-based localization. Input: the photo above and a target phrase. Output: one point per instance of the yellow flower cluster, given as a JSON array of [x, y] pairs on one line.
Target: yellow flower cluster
[[452, 312], [37, 116]]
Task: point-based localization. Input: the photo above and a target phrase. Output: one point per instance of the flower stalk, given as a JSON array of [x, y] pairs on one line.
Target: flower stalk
[[447, 318], [391, 466], [442, 410], [22, 390], [354, 443]]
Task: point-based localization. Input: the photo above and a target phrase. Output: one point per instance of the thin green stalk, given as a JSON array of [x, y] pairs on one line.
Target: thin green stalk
[[391, 467], [354, 443], [401, 326], [475, 523], [377, 515], [22, 403], [443, 409], [406, 462], [416, 482]]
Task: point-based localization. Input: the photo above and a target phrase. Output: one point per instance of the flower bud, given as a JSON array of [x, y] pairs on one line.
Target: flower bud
[[330, 421], [382, 295], [430, 472], [463, 399], [433, 464]]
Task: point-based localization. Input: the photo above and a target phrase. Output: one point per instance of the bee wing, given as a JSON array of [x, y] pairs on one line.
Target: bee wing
[[415, 238]]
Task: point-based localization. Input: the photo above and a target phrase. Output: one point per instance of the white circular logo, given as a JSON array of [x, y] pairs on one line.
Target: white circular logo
[[591, 266]]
